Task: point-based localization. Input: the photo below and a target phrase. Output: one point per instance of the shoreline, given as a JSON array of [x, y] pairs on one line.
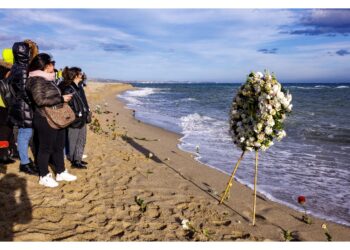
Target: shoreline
[[248, 185], [269, 198], [128, 194]]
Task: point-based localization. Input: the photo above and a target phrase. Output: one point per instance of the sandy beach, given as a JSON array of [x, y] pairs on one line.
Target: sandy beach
[[139, 186]]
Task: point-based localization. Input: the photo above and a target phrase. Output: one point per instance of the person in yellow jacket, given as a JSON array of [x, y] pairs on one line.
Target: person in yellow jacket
[[6, 133], [5, 130], [7, 55]]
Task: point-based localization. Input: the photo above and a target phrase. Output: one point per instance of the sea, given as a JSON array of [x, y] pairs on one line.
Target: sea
[[313, 160]]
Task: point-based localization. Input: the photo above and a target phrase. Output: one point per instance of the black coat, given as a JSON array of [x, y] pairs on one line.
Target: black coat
[[20, 112], [43, 93], [78, 103]]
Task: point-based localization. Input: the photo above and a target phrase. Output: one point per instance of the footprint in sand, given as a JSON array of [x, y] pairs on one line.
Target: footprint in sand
[[182, 205], [222, 223]]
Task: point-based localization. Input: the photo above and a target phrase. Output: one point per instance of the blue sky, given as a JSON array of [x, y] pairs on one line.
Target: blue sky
[[222, 45]]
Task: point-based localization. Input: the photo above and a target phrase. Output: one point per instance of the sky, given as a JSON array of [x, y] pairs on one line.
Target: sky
[[216, 45]]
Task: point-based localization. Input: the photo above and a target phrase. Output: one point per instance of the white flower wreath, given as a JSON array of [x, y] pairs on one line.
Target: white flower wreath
[[258, 112]]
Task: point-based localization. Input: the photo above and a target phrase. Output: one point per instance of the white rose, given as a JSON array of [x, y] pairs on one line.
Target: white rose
[[257, 144], [277, 106], [265, 116], [259, 126], [289, 108], [270, 122], [268, 130], [281, 134], [259, 75], [249, 148], [263, 147], [261, 137], [280, 95], [285, 103], [242, 139], [275, 89]]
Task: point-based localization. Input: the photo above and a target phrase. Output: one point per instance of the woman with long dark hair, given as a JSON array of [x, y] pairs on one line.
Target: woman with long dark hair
[[73, 84], [45, 93]]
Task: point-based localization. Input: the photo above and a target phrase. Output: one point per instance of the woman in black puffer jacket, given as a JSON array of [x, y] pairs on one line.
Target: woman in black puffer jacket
[[73, 84], [20, 112], [45, 93], [6, 142]]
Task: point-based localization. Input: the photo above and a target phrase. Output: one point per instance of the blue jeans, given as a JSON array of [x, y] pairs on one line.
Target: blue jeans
[[23, 138]]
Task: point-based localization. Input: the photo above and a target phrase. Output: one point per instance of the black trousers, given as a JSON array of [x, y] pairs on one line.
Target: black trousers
[[50, 144]]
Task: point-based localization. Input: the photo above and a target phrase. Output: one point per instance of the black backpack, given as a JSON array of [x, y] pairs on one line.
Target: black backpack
[[7, 93]]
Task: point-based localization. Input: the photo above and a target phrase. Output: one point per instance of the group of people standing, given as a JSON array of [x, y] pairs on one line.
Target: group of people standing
[[33, 85]]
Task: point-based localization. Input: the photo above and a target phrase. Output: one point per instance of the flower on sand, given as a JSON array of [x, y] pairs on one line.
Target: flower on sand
[[301, 199], [185, 224], [305, 218], [326, 232]]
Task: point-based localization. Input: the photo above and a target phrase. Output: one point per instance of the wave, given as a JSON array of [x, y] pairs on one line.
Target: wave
[[321, 86], [299, 87], [318, 87], [189, 99], [141, 92], [132, 96], [205, 126], [194, 122]]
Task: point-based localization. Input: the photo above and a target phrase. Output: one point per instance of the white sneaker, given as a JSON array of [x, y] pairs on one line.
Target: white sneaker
[[65, 176], [84, 156], [48, 181]]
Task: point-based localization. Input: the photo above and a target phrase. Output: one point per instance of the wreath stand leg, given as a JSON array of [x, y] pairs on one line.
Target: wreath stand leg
[[255, 184], [229, 184]]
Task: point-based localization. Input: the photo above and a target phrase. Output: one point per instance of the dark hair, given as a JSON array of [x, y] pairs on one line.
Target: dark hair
[[69, 74], [40, 62]]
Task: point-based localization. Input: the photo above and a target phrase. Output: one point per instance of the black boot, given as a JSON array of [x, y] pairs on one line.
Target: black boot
[[78, 164], [28, 169], [33, 165], [84, 162]]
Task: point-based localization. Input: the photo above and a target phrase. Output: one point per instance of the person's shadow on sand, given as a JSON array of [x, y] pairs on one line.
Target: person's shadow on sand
[[15, 206]]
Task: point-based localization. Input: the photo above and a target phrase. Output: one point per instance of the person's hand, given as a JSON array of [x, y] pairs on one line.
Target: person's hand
[[67, 98]]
